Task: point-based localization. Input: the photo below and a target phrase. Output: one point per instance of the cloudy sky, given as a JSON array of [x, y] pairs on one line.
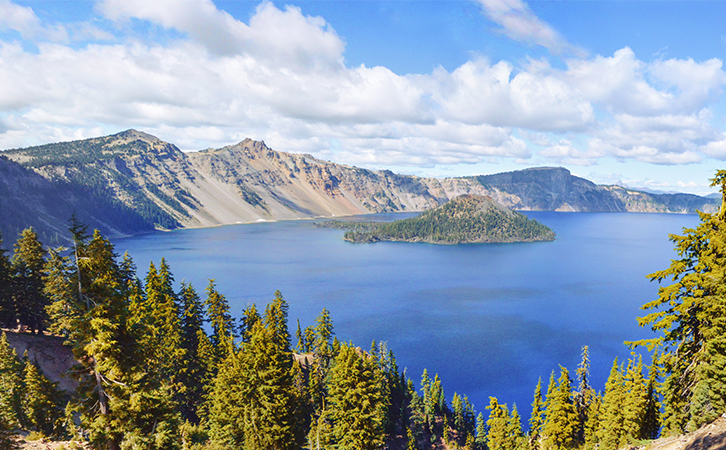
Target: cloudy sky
[[616, 91]]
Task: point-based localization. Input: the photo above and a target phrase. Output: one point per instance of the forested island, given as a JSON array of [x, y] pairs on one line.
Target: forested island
[[151, 375], [463, 220]]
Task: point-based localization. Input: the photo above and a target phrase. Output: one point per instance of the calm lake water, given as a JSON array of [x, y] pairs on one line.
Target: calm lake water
[[490, 319]]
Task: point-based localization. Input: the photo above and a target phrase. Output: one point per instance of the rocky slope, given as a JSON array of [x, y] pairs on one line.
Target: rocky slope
[[133, 182]]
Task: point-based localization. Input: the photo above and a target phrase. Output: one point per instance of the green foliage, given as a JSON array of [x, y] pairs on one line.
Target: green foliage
[[536, 418], [691, 315], [356, 405], [464, 219], [11, 385], [41, 402], [27, 267], [560, 427], [7, 308]]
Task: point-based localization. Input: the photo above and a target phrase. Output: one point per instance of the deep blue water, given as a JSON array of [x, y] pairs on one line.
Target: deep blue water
[[489, 318]]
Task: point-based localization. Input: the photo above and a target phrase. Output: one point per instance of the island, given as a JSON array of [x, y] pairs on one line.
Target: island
[[462, 220]]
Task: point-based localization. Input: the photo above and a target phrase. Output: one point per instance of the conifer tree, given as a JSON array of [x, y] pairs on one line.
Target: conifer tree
[[357, 409], [27, 268], [514, 430], [651, 419], [593, 423], [560, 427], [194, 341], [536, 419], [7, 308], [612, 433], [584, 395], [223, 333], [254, 399], [498, 437], [91, 308], [481, 432], [11, 387], [41, 401], [691, 312], [635, 401]]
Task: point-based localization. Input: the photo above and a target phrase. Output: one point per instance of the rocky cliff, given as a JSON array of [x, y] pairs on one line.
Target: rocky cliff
[[132, 182]]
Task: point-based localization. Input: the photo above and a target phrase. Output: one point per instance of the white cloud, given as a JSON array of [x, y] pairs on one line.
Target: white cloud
[[281, 77], [19, 18], [518, 22]]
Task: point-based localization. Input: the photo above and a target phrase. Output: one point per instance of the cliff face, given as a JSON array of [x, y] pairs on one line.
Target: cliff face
[[132, 182]]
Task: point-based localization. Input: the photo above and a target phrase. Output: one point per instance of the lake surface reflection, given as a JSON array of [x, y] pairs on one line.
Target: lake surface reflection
[[489, 318]]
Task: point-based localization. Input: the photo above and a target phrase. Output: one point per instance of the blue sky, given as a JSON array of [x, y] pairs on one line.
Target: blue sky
[[616, 91]]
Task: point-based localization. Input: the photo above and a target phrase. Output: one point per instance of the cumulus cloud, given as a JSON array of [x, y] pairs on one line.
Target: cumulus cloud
[[282, 77], [518, 22]]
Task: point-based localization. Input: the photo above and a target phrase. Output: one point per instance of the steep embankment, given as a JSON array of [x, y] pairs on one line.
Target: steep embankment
[[132, 182]]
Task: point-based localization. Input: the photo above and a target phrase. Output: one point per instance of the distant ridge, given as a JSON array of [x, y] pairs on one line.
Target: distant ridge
[[132, 182]]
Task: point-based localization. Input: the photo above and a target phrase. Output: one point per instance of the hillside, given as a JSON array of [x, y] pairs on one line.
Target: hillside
[[132, 182], [465, 219]]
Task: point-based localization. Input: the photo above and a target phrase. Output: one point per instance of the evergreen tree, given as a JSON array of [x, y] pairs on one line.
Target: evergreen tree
[[536, 419], [11, 387], [691, 314], [584, 395], [357, 409], [560, 427], [223, 334], [481, 432], [194, 341], [635, 401], [514, 430], [498, 437], [41, 401], [7, 307], [254, 399], [612, 433], [27, 268], [651, 419], [90, 307], [593, 423]]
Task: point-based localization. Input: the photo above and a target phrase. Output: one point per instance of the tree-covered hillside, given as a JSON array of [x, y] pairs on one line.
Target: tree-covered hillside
[[465, 219], [161, 367]]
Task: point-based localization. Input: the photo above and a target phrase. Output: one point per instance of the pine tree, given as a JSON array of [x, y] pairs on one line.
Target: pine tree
[[636, 400], [90, 307], [536, 419], [7, 307], [27, 268], [612, 433], [254, 399], [691, 312], [651, 419], [356, 406], [11, 387], [560, 427], [593, 423], [584, 395], [41, 401], [223, 333], [498, 424], [194, 340], [481, 432], [517, 441]]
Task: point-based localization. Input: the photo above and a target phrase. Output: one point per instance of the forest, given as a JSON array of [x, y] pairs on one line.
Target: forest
[[160, 367], [464, 219]]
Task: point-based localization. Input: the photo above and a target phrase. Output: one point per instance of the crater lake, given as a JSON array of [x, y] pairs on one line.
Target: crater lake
[[490, 319]]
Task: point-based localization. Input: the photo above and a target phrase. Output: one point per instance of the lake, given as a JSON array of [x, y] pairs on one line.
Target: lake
[[490, 319]]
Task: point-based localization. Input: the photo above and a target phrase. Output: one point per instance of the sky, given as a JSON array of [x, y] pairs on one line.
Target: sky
[[619, 92]]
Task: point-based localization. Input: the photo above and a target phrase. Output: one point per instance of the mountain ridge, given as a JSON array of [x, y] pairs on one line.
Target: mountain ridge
[[132, 182]]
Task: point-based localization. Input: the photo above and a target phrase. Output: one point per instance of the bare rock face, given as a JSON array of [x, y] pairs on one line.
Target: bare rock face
[[132, 182]]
